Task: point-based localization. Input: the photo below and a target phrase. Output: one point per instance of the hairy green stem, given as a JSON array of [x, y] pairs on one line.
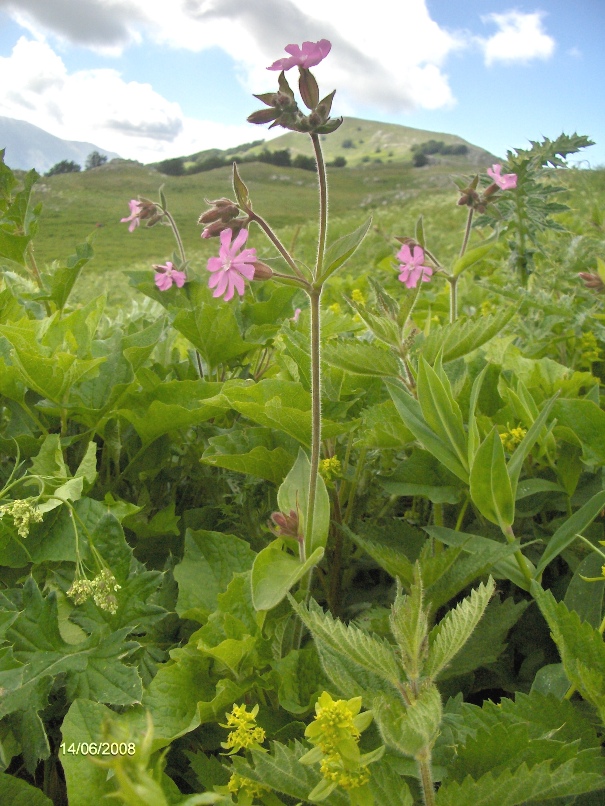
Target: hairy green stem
[[453, 281], [426, 776], [277, 243], [323, 206], [467, 231], [177, 234], [521, 561], [314, 296]]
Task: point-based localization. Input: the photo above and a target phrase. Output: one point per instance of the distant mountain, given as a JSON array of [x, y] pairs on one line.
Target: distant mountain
[[28, 146], [358, 141]]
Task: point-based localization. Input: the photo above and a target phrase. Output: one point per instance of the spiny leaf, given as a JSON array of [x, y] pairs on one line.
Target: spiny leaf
[[450, 635]]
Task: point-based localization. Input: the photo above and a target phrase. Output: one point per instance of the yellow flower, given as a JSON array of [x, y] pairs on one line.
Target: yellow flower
[[237, 783], [333, 722], [244, 731], [333, 770], [358, 297], [335, 307], [330, 468], [510, 439]]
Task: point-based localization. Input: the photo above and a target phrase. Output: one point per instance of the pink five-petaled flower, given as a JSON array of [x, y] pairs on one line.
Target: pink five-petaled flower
[[166, 275], [230, 268], [412, 269], [311, 54], [136, 208], [506, 182]]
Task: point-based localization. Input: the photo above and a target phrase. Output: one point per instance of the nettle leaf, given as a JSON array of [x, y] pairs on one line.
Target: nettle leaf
[[354, 649], [520, 786], [580, 646], [487, 641], [18, 792], [454, 630], [282, 771], [409, 729], [362, 358], [208, 565], [463, 336]]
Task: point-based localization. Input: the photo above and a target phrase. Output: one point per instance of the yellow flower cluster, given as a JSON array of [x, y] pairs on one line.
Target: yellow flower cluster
[[239, 784], [510, 439], [335, 307], [358, 297], [333, 770], [330, 468], [23, 513], [101, 588], [589, 349], [245, 733]]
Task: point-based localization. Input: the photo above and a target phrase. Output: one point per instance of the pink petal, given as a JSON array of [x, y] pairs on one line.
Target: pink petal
[[404, 254], [245, 269], [237, 281], [214, 264], [418, 255], [163, 281], [179, 278], [240, 240], [225, 238], [223, 281]]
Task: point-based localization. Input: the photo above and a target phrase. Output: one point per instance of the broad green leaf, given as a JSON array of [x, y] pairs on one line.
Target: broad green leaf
[[529, 487], [441, 412], [213, 331], [408, 730], [275, 572], [17, 792], [361, 358], [551, 679], [463, 336], [587, 421], [301, 680], [394, 547], [357, 647], [421, 474], [62, 279], [86, 782], [383, 427], [411, 414], [208, 565], [387, 785], [520, 786], [587, 599], [454, 630], [254, 451], [293, 496], [566, 533], [341, 250], [490, 485]]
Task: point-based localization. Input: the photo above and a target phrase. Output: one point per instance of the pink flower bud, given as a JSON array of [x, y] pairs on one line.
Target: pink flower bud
[[262, 271]]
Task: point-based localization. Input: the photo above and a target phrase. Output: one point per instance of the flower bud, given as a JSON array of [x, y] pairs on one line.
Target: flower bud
[[235, 225], [309, 91], [286, 525], [221, 210], [592, 281], [262, 271]]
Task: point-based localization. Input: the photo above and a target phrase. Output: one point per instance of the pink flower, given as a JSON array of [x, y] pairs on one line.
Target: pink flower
[[412, 269], [309, 55], [506, 182], [166, 275], [230, 268], [136, 207]]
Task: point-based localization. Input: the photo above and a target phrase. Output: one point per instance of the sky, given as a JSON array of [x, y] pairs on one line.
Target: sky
[[155, 79]]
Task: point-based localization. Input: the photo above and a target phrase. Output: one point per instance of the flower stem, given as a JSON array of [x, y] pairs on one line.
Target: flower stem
[[521, 561], [314, 295], [177, 234], [426, 776], [467, 231], [453, 281], [323, 205], [277, 243]]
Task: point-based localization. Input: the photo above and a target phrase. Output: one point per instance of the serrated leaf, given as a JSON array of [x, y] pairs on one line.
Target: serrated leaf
[[520, 786], [463, 336], [409, 625], [409, 729], [454, 630], [361, 358], [352, 644]]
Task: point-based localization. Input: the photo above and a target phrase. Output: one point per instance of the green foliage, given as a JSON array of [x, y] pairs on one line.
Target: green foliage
[[64, 167]]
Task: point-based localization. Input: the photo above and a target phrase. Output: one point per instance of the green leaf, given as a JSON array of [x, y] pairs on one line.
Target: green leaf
[[293, 496], [63, 278], [208, 565], [241, 191], [566, 533], [587, 600], [86, 782], [580, 646], [275, 572], [341, 250], [421, 474], [520, 786], [490, 485], [472, 256], [17, 792], [301, 680], [441, 412], [587, 421], [393, 547], [361, 358], [358, 648], [527, 443], [212, 329], [387, 785], [409, 729], [453, 631], [411, 414], [409, 625], [282, 771], [463, 336]]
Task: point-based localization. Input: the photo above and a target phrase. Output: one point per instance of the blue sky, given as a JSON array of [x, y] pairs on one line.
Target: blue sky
[[151, 79]]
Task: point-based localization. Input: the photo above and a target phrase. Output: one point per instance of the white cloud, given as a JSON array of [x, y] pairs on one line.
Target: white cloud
[[391, 58], [520, 38], [99, 107]]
